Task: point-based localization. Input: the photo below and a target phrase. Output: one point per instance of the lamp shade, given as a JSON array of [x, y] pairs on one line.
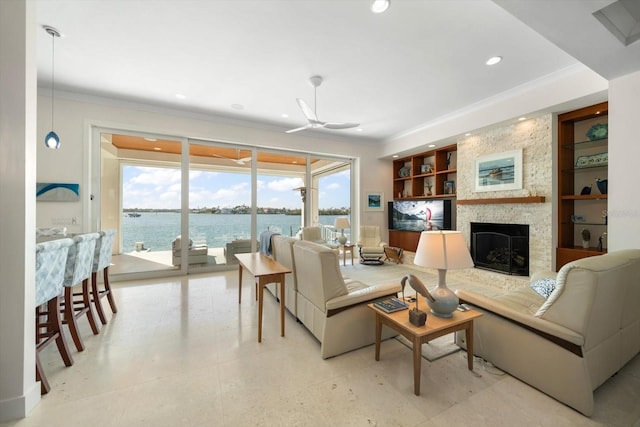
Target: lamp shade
[[342, 223], [445, 250]]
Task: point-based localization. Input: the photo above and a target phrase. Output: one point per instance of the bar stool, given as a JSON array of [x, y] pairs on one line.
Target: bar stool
[[51, 259], [78, 271], [101, 261]]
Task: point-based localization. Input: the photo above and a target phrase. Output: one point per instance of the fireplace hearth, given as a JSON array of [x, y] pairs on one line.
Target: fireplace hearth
[[503, 248]]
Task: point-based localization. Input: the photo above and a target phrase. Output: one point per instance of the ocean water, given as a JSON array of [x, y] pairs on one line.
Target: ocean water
[[158, 229]]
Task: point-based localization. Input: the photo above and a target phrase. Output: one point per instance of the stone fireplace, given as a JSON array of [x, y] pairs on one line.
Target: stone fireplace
[[503, 248], [535, 137]]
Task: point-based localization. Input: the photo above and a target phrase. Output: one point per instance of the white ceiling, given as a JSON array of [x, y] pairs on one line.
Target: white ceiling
[[391, 73]]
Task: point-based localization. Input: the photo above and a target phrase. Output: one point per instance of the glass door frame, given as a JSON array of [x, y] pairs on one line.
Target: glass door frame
[[93, 174]]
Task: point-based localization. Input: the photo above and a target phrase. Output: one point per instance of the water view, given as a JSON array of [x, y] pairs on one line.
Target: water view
[[158, 229]]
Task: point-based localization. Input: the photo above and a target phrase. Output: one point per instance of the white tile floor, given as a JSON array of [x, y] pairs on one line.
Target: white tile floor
[[181, 352]]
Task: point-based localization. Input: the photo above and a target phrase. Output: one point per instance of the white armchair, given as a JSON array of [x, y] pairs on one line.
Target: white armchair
[[314, 234], [370, 244], [332, 308], [197, 253]]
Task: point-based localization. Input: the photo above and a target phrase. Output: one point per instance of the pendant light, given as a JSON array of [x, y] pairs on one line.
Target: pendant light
[[52, 140]]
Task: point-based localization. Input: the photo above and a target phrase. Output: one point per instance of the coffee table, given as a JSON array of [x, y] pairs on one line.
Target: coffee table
[[418, 335]]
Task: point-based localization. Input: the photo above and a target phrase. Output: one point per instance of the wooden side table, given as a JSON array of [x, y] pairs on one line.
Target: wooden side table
[[347, 247], [418, 335], [265, 270]]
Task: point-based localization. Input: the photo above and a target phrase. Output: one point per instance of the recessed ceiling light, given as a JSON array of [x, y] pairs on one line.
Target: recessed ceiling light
[[285, 115], [157, 148], [237, 106], [380, 6], [395, 156], [359, 129], [431, 145], [180, 96], [494, 60], [520, 119], [151, 139], [467, 134]]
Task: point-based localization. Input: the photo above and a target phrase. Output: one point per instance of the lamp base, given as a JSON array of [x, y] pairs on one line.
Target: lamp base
[[342, 239], [417, 317], [446, 301]]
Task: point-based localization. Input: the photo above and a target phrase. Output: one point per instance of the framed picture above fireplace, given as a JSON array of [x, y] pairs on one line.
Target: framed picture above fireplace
[[498, 172]]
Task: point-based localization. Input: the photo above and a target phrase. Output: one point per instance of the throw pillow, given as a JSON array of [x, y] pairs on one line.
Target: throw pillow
[[544, 287]]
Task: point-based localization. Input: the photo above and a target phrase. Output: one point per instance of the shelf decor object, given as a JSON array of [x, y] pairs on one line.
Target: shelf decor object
[[500, 171], [600, 159], [602, 185], [598, 131]]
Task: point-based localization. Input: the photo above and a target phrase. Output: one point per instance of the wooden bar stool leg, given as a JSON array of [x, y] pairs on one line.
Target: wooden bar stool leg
[[86, 302], [46, 331], [96, 298], [70, 318], [107, 287], [61, 342]]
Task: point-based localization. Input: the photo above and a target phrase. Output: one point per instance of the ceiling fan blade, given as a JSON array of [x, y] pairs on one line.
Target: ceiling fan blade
[[307, 111], [299, 129], [340, 125]]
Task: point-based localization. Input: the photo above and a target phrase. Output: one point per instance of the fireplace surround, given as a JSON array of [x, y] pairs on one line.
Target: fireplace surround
[[503, 248]]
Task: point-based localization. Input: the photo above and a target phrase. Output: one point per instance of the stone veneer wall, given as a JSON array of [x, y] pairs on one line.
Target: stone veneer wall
[[535, 137]]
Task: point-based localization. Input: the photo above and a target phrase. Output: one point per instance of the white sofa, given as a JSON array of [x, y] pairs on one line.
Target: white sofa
[[332, 308], [282, 252], [570, 343]]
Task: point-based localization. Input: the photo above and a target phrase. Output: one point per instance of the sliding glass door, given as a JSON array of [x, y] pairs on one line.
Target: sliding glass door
[[221, 197], [140, 197]]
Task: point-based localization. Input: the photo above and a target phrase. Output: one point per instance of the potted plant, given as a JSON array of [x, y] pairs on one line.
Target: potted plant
[[586, 237]]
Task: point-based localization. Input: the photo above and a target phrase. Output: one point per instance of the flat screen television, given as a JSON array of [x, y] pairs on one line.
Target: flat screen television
[[420, 215]]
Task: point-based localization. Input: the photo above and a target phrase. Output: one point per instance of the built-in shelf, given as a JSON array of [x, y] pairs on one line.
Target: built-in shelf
[[500, 200], [585, 197]]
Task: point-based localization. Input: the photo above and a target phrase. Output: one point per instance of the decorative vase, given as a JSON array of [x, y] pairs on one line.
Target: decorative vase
[[445, 300], [602, 185]]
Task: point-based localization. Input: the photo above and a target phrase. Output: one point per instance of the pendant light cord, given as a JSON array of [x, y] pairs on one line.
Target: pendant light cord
[[53, 72]]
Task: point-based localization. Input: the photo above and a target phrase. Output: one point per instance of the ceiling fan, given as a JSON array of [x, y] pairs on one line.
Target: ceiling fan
[[237, 160], [314, 122]]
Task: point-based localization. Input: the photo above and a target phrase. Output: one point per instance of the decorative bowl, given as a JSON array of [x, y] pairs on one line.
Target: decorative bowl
[[599, 131]]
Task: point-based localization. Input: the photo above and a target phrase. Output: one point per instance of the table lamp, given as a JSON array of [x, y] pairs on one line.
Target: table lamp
[[443, 250], [341, 224]]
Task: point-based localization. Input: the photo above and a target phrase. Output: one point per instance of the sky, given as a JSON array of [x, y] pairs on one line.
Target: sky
[[159, 188]]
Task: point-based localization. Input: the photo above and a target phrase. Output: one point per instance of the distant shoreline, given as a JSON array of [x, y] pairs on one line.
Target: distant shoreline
[[241, 210]]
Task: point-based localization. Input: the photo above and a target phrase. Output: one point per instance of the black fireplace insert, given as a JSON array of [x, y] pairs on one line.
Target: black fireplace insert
[[503, 248]]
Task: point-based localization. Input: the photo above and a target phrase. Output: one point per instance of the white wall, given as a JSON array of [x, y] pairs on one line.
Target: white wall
[[19, 392], [74, 118], [624, 152]]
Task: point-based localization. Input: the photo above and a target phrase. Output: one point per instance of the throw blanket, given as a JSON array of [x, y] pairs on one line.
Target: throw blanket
[[265, 242]]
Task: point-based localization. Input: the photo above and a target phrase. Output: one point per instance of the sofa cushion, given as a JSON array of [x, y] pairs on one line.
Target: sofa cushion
[[544, 287]]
